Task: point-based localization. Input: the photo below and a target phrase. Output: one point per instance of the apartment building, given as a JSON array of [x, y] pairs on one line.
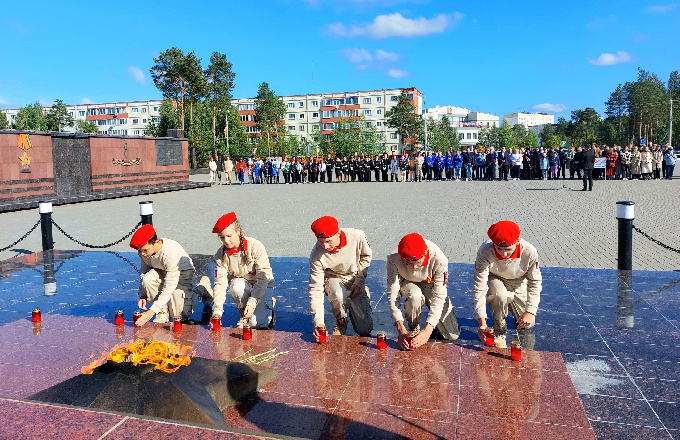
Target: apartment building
[[467, 123], [529, 119], [307, 113], [119, 118]]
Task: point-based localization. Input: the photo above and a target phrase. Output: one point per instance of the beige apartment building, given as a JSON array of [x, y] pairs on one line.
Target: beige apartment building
[[307, 113]]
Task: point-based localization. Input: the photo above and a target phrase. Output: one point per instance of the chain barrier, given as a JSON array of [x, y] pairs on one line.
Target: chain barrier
[[95, 246], [22, 237], [654, 240]]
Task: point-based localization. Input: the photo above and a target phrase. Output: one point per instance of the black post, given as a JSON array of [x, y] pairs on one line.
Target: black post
[[625, 213], [146, 212], [45, 210]]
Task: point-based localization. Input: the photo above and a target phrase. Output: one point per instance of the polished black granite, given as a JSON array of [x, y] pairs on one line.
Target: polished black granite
[[617, 332]]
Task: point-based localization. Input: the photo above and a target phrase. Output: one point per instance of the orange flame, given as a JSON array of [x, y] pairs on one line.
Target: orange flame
[[164, 356]]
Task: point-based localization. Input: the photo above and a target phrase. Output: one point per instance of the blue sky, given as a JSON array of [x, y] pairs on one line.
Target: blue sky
[[490, 56]]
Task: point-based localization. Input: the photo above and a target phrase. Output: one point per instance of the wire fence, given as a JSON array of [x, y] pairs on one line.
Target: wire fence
[[22, 237], [94, 246], [654, 240]]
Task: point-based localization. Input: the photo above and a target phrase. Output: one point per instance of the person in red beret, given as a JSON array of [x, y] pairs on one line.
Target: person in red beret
[[212, 167], [507, 277], [166, 277], [242, 266], [338, 266], [417, 274]]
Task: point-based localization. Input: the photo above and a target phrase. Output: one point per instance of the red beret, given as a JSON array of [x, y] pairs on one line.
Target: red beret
[[324, 227], [223, 222], [504, 233], [412, 247], [142, 236]]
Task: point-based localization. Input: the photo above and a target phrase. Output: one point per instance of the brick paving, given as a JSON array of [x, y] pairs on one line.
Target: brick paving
[[570, 228]]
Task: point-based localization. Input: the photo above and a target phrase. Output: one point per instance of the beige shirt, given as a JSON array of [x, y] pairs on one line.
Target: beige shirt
[[521, 275], [349, 263], [228, 166], [174, 261], [436, 269], [256, 271]]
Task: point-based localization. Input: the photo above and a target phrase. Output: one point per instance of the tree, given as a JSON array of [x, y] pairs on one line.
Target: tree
[[30, 117], [83, 126], [346, 139], [269, 112], [238, 142], [441, 135], [519, 136], [547, 132], [58, 117], [674, 94], [168, 75], [647, 104], [219, 82], [167, 120], [404, 119], [616, 107], [505, 136], [586, 125], [371, 140], [4, 123], [489, 137]]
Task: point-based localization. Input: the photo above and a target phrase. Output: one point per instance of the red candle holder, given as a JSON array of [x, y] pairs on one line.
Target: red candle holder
[[381, 340], [409, 340], [135, 317], [515, 351], [323, 335], [215, 322], [177, 325], [36, 316], [118, 318], [37, 328], [247, 332], [489, 337]]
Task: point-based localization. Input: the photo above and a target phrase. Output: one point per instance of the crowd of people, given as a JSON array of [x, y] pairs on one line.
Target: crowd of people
[[621, 163]]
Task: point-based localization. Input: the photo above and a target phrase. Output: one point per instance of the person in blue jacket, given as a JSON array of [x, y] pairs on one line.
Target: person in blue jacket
[[438, 166], [448, 163], [427, 165], [457, 161], [275, 171], [480, 165]]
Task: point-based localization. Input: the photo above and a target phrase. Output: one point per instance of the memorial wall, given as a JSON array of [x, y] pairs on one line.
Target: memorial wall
[[47, 166]]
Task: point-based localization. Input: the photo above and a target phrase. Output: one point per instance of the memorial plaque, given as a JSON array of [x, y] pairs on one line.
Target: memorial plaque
[[168, 152]]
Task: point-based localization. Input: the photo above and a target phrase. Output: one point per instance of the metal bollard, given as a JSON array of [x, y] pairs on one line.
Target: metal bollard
[[625, 213], [45, 210], [146, 212]]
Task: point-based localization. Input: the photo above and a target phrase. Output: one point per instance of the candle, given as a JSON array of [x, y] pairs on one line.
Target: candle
[[36, 316], [409, 339], [135, 317], [177, 325], [489, 337], [118, 318], [215, 322], [321, 330], [515, 351], [247, 332], [381, 339]]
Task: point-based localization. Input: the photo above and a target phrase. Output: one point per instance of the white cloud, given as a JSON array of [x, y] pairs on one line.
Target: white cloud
[[397, 73], [610, 59], [356, 55], [386, 56], [137, 75], [85, 101], [661, 9], [396, 25], [549, 108]]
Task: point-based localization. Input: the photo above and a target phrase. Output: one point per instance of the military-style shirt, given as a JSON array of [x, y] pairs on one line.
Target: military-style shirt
[[520, 274], [174, 261], [434, 270], [349, 263], [256, 269]]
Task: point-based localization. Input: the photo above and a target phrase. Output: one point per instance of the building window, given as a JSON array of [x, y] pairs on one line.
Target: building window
[[461, 136], [301, 127], [135, 132], [135, 121], [315, 115], [155, 109], [291, 128], [291, 115], [315, 103], [378, 124], [143, 111], [301, 104], [302, 116], [378, 99], [143, 121], [369, 124], [81, 113], [155, 120], [393, 98], [291, 105], [134, 110], [474, 135], [379, 111], [70, 113], [367, 100], [393, 135], [469, 135], [367, 112]]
